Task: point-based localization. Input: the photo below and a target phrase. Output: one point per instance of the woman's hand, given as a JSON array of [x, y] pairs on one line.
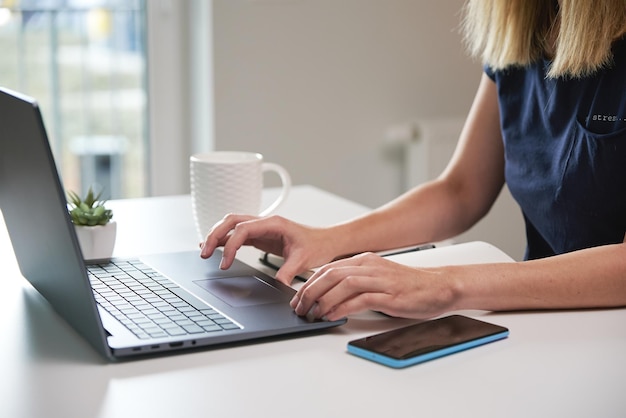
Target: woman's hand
[[368, 281], [301, 246]]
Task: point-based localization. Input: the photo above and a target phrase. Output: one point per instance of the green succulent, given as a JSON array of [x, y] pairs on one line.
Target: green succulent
[[89, 211]]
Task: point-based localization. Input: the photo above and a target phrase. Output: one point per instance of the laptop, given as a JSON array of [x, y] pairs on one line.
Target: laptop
[[125, 308]]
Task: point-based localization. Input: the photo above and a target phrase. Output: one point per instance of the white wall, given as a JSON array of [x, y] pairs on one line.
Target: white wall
[[169, 103], [179, 39], [314, 84]]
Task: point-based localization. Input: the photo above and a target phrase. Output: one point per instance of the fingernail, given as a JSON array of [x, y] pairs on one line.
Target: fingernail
[[313, 312], [300, 309], [294, 301]]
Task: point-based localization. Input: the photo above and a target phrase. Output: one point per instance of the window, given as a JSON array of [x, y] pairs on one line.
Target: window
[[85, 62]]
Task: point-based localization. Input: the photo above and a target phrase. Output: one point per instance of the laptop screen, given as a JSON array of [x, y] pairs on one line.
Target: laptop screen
[[34, 207]]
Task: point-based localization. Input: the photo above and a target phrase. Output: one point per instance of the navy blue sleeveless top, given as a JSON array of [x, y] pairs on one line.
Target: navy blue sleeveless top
[[565, 154]]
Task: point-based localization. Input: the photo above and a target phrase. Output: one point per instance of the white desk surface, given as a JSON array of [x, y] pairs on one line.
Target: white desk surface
[[565, 364]]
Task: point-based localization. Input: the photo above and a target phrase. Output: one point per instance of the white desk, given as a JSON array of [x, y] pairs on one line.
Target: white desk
[[565, 364]]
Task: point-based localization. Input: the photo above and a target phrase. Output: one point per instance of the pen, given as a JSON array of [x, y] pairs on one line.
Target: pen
[[406, 250], [265, 259]]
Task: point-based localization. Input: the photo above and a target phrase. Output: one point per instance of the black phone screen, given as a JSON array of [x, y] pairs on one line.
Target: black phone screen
[[429, 336]]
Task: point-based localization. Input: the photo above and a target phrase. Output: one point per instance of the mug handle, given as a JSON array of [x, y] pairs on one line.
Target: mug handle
[[286, 180]]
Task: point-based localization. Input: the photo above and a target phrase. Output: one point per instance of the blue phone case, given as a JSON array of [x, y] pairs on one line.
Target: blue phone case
[[423, 357]]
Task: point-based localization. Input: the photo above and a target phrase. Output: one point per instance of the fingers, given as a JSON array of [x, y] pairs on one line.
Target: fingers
[[220, 233], [344, 291], [266, 234], [276, 235], [361, 302], [269, 234], [288, 271], [343, 287]]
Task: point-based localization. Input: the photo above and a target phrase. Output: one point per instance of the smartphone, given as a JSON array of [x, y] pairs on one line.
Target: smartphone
[[426, 340]]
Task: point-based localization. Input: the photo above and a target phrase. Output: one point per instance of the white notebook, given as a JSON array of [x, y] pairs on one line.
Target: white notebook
[[474, 252]]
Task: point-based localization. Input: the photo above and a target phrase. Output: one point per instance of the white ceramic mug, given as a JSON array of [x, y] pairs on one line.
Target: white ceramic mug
[[224, 182]]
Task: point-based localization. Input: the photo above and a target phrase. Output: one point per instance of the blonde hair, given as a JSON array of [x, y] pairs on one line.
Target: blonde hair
[[507, 33]]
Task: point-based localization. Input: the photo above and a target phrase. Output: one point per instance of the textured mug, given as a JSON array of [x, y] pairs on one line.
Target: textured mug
[[224, 182]]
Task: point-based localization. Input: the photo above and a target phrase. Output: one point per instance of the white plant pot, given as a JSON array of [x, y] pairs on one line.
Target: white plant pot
[[97, 242]]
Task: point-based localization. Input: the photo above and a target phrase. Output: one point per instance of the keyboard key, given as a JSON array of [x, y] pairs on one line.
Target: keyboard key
[[212, 328], [193, 329]]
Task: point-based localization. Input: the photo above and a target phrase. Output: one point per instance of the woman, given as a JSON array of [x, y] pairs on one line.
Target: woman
[[549, 118]]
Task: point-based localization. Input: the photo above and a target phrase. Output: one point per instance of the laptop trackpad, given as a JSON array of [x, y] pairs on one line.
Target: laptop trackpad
[[243, 291]]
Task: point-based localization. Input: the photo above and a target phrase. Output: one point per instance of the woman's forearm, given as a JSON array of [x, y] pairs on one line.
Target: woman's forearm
[[591, 278], [431, 212]]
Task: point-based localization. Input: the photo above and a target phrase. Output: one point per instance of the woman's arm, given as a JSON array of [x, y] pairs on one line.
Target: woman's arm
[[448, 205], [590, 278]]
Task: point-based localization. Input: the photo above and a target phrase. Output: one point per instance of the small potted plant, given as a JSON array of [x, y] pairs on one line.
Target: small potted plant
[[94, 228]]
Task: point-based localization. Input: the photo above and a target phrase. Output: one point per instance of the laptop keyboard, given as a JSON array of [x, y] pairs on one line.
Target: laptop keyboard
[[148, 304]]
